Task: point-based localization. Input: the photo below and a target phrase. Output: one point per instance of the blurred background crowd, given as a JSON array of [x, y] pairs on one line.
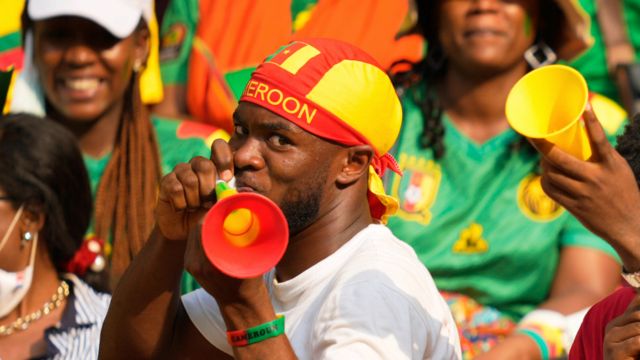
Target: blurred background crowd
[[78, 188]]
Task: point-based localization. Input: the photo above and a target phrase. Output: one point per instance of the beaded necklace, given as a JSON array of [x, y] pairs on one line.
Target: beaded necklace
[[22, 323]]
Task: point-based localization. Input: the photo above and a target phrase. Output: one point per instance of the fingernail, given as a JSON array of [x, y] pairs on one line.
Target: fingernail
[[588, 107], [226, 175]]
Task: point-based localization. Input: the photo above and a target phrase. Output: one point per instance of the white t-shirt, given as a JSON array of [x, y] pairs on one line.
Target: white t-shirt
[[371, 299]]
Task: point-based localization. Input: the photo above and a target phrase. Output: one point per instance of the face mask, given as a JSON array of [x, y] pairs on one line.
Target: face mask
[[15, 285]]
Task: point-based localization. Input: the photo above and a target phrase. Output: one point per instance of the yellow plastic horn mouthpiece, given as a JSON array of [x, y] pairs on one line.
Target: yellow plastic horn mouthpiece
[[240, 227]]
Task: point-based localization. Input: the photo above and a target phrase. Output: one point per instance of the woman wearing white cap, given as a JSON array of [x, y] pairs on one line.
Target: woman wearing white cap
[[84, 60]]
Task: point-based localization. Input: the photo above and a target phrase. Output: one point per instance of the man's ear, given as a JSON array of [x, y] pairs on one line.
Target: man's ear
[[355, 164]]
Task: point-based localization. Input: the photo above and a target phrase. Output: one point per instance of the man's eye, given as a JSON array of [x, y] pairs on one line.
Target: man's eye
[[240, 130], [279, 140]]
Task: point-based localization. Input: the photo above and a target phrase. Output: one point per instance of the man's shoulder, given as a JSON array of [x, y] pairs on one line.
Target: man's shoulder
[[384, 279], [379, 248], [384, 263]]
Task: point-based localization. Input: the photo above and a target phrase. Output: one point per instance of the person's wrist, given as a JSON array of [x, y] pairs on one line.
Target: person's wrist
[[628, 248], [247, 307], [515, 346], [242, 293], [243, 317], [533, 337], [258, 333]]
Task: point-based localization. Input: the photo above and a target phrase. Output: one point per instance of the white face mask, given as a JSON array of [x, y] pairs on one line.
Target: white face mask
[[15, 285]]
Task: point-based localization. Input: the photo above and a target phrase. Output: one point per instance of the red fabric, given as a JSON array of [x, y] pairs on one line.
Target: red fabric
[[240, 34], [307, 77], [316, 120], [189, 129], [590, 339], [12, 57], [384, 162], [293, 88], [84, 257]]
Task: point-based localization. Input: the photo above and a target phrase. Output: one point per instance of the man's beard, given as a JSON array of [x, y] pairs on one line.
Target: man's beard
[[302, 205], [302, 210]]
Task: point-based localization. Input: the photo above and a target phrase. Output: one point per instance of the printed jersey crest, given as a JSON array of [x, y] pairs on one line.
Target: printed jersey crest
[[417, 188], [172, 41], [534, 203]]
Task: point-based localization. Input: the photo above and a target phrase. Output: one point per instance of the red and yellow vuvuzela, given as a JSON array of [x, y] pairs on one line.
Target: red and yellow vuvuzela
[[337, 92]]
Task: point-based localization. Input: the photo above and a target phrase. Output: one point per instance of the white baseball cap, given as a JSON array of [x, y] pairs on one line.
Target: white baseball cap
[[119, 17]]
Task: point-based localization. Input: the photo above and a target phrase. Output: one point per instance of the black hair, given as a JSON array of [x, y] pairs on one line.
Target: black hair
[[432, 68], [629, 145], [41, 167]]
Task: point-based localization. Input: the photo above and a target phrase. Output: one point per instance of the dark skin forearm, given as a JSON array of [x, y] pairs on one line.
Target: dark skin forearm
[[575, 287], [143, 308], [243, 303], [146, 318], [628, 248]]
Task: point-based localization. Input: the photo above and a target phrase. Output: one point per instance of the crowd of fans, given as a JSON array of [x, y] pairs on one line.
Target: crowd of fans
[[420, 224]]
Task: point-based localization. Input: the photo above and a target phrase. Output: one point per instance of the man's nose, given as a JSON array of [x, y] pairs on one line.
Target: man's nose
[[249, 155]]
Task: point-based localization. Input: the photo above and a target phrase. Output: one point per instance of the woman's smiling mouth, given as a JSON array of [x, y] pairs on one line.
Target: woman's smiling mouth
[[79, 88]]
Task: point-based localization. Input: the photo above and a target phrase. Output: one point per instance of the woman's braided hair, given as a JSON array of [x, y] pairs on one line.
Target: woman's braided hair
[[127, 191]]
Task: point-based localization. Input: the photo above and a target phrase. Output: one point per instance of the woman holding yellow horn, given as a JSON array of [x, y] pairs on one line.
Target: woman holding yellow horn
[[512, 263]]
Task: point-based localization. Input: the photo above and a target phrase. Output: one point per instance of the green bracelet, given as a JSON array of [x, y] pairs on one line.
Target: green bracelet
[[257, 333], [542, 345]]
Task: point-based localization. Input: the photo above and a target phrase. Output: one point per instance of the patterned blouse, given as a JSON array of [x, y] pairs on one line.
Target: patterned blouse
[[77, 336]]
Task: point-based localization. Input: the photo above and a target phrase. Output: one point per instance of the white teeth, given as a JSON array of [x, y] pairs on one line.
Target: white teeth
[[82, 84]]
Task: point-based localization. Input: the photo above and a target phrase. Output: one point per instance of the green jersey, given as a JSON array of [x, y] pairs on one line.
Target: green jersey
[[478, 218], [178, 141]]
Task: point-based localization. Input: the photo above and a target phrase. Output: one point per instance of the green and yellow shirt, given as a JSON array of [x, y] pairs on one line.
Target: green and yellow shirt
[[478, 218]]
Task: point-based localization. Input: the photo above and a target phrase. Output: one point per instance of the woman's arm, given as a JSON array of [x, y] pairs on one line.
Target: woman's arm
[[584, 276]]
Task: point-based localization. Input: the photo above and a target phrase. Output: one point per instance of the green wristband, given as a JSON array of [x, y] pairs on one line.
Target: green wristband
[[257, 333], [542, 345]]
